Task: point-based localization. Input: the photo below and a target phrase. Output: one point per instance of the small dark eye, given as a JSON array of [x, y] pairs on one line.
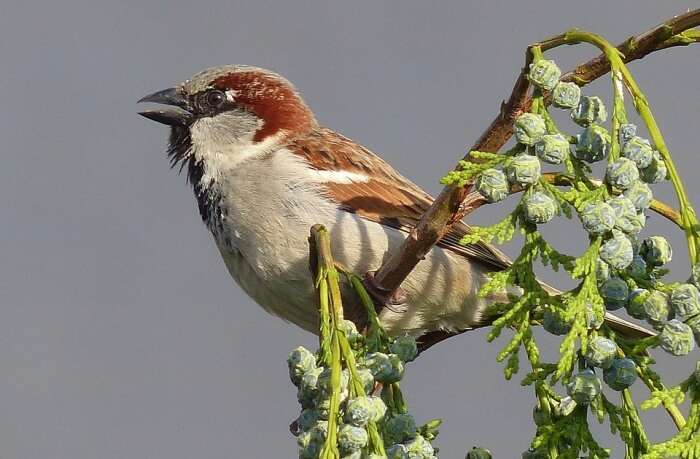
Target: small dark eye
[[215, 98]]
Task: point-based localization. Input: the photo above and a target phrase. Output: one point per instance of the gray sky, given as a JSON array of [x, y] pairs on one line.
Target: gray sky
[[122, 335]]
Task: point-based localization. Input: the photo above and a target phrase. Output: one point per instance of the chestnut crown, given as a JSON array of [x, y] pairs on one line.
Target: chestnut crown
[[249, 93]]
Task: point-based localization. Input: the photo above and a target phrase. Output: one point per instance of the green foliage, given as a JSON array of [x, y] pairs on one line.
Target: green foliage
[[467, 170], [345, 414], [612, 213], [562, 426]]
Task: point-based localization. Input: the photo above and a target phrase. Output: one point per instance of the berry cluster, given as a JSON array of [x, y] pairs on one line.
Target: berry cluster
[[626, 262], [375, 371], [621, 269]]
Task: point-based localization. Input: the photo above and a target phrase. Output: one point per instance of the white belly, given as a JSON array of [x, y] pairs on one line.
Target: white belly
[[263, 232], [441, 293]]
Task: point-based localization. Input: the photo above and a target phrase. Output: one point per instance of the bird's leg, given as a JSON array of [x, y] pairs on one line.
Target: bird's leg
[[383, 297]]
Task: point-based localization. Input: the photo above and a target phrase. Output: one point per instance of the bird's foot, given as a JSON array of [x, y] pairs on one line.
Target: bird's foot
[[383, 297]]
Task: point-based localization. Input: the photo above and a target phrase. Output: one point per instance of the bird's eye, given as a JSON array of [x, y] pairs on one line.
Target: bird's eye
[[215, 98]]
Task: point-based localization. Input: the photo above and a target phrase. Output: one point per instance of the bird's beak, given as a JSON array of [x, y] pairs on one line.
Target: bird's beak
[[175, 97]]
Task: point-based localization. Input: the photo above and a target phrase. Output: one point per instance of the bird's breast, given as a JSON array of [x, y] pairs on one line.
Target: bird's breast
[[260, 215]]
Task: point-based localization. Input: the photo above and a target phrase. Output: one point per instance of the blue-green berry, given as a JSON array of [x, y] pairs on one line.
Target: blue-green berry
[[602, 271], [544, 74], [685, 301], [308, 449], [322, 405], [638, 268], [308, 387], [359, 411], [311, 441], [354, 337], [695, 275], [478, 452], [626, 217], [627, 131], [385, 368], [528, 128], [493, 185], [615, 293], [300, 361], [584, 387], [378, 408], [635, 303], [598, 218], [405, 347], [397, 451], [307, 419], [694, 324], [677, 338], [629, 223], [595, 316], [590, 110], [638, 150], [600, 352], [640, 194], [622, 206], [351, 438], [539, 207], [621, 374], [636, 224], [420, 448], [566, 95], [552, 148], [656, 251], [366, 378], [325, 387], [554, 324], [656, 308], [656, 172], [400, 428], [524, 170], [593, 144], [622, 173], [617, 251]]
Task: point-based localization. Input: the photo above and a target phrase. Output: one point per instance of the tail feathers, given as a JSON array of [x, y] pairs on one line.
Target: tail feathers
[[625, 328]]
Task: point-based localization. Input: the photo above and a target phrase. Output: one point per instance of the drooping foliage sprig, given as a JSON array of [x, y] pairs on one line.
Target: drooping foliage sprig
[[619, 269], [351, 402], [352, 405]]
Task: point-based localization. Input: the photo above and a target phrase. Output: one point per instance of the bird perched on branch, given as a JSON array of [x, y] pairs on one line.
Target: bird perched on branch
[[264, 171]]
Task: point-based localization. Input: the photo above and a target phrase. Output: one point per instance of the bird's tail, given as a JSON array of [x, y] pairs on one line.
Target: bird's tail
[[627, 329], [623, 327]]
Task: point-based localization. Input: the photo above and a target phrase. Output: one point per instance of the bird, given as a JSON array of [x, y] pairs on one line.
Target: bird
[[263, 171]]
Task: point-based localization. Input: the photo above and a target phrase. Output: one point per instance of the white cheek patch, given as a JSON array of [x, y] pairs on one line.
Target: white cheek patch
[[231, 95], [342, 177], [222, 149]]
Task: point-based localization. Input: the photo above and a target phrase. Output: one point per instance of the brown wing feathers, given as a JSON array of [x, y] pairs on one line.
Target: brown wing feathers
[[387, 197]]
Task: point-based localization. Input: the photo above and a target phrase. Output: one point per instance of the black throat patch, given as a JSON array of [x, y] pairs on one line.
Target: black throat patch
[[208, 197]]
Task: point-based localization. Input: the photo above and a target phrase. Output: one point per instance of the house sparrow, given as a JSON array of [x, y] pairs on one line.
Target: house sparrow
[[264, 171]]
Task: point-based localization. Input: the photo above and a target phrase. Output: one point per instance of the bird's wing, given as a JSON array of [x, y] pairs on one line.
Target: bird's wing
[[372, 189], [387, 197]]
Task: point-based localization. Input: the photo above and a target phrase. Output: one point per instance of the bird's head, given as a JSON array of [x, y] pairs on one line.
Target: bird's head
[[231, 105]]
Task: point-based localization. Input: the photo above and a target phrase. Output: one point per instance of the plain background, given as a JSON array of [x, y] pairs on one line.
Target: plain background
[[121, 334]]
